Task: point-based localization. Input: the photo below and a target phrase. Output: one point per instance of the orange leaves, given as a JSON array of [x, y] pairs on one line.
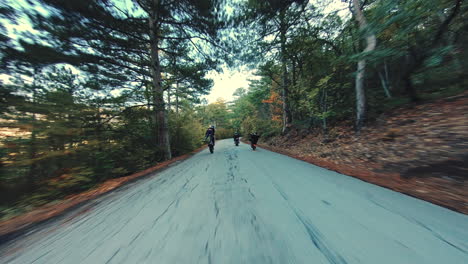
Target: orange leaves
[[274, 98], [275, 106]]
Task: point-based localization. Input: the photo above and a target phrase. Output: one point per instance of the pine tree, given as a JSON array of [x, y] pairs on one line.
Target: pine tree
[[120, 47]]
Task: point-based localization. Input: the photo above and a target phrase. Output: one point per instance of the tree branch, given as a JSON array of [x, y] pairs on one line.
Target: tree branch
[[446, 23]]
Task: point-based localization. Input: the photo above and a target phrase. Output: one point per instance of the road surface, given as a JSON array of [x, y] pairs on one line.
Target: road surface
[[239, 206]]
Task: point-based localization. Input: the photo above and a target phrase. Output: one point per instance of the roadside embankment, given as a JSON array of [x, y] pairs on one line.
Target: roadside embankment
[[419, 150]]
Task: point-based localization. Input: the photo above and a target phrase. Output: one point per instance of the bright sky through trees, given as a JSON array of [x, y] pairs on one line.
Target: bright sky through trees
[[227, 82]]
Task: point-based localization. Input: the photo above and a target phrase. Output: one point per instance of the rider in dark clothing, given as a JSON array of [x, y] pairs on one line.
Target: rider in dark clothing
[[210, 133], [253, 137], [236, 136]]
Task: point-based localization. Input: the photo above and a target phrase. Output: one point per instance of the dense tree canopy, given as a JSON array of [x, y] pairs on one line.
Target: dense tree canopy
[[381, 53]]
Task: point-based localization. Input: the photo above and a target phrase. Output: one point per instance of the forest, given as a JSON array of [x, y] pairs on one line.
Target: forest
[[93, 90]]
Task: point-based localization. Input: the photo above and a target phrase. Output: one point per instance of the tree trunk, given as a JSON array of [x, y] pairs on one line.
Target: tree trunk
[[294, 75], [360, 95], [389, 83], [384, 85], [33, 154], [324, 110], [414, 60], [169, 104], [361, 69], [33, 168], [158, 97], [284, 78], [177, 99], [149, 99], [409, 87]]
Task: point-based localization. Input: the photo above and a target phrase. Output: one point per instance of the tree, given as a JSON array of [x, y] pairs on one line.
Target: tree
[[122, 46], [274, 19], [371, 43], [421, 50]]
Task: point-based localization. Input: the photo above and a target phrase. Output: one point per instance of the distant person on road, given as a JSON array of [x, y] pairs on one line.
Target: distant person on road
[[211, 134], [253, 137], [236, 136]]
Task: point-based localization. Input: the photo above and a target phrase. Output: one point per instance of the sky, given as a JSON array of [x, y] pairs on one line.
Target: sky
[[227, 82]]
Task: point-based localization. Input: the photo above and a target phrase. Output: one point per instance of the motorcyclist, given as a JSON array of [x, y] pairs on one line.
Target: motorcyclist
[[236, 136], [210, 132], [253, 137]]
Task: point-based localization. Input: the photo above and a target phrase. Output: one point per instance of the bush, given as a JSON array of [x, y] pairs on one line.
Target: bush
[[266, 128], [222, 133], [187, 132]]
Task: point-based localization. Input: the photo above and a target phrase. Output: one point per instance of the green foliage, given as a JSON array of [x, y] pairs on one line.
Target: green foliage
[[254, 110], [70, 180], [421, 53], [216, 114], [222, 133], [186, 131], [84, 104], [67, 138]]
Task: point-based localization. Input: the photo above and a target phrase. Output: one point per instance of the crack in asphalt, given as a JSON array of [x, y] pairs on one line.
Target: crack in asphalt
[[178, 196], [314, 234], [419, 223], [237, 206]]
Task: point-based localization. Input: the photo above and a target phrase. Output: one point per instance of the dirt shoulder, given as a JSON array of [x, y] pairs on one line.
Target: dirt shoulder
[[20, 224], [419, 150]]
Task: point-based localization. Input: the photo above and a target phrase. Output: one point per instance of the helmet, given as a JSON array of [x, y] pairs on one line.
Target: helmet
[[211, 126]]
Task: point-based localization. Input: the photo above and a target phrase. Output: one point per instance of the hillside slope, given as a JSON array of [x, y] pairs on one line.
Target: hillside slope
[[420, 150]]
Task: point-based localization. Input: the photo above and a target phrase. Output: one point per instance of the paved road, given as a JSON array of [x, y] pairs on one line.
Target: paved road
[[239, 206]]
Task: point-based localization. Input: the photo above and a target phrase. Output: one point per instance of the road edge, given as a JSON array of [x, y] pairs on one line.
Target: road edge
[[350, 172], [20, 225]]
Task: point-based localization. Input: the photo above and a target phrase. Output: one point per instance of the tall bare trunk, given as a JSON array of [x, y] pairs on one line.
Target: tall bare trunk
[[177, 98], [360, 95], [385, 85], [149, 99], [158, 96], [284, 78], [33, 148], [293, 70], [323, 101], [371, 42], [169, 103]]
